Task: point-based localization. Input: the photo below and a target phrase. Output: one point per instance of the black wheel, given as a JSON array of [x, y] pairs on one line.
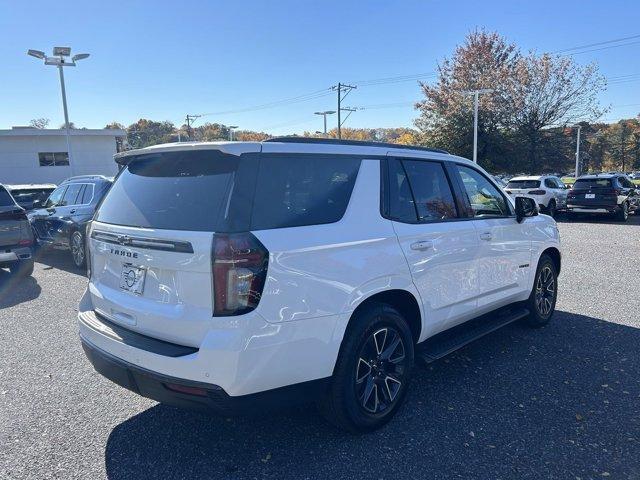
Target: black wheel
[[552, 209], [373, 371], [22, 268], [78, 250], [623, 212], [542, 301]]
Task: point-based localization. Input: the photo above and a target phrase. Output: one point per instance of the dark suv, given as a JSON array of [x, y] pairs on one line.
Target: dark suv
[[604, 193], [62, 220], [16, 238]]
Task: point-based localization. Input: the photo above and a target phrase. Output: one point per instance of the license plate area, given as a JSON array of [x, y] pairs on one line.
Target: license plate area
[[589, 195], [132, 278]]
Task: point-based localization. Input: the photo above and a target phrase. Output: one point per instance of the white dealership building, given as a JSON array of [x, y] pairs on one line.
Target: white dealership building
[[32, 155]]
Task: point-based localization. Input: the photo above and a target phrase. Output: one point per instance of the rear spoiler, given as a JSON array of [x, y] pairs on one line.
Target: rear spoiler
[[231, 148]]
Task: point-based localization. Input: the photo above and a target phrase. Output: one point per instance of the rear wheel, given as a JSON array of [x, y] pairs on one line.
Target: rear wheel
[[373, 371], [552, 209], [78, 250], [22, 268], [542, 301], [623, 213]]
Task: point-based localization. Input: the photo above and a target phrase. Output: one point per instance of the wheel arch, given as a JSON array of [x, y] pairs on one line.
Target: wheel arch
[[555, 256]]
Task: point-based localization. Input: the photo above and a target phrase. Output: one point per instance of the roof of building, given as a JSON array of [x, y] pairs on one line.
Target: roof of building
[[74, 132]]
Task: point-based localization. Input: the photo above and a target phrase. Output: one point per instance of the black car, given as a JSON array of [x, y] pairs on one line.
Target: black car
[[62, 221], [604, 193], [30, 196], [16, 238]]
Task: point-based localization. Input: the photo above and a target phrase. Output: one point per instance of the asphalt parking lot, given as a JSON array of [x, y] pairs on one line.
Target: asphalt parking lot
[[560, 402]]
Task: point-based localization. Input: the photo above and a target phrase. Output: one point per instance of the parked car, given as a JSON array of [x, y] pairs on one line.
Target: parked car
[[549, 191], [30, 196], [16, 238], [230, 276], [606, 193], [61, 222]]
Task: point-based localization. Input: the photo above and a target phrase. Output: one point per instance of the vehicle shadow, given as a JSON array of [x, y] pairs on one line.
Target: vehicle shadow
[[59, 259], [634, 219], [557, 402], [15, 290]]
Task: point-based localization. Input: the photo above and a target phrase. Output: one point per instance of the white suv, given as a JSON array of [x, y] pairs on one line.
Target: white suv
[[232, 276], [547, 190]]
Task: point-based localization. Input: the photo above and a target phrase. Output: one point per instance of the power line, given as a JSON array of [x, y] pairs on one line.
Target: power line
[[394, 79], [606, 42]]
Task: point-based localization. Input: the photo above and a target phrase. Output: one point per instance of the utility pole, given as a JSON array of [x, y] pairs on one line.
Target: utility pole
[[191, 118], [341, 87], [578, 152], [324, 115], [476, 98]]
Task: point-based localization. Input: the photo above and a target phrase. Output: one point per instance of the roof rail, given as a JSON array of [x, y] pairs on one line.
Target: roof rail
[[357, 143], [86, 177]]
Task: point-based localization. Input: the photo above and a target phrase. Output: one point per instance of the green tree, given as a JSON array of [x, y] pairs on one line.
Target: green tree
[[145, 132]]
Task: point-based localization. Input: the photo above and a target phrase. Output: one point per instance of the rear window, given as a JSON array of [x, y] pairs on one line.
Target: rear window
[[587, 183], [29, 195], [208, 190], [523, 184], [6, 200]]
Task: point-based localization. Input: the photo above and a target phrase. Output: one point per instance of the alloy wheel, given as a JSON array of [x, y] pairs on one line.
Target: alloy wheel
[[545, 291], [77, 249], [380, 370]]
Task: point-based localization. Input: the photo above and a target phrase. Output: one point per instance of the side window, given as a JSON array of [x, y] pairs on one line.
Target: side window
[[296, 190], [87, 194], [55, 197], [625, 182], [71, 194], [485, 199], [550, 183], [431, 190], [560, 183], [401, 205]]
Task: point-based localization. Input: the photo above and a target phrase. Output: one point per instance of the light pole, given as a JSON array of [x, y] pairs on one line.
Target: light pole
[[578, 151], [476, 95], [231, 129], [58, 59], [324, 116]]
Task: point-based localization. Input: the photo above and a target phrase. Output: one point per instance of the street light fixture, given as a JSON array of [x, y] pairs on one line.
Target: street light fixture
[[476, 95], [58, 60], [231, 129], [324, 115]]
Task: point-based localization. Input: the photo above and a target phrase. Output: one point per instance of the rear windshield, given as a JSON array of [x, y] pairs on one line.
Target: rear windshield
[[6, 200], [587, 183], [208, 190], [28, 195], [523, 184]]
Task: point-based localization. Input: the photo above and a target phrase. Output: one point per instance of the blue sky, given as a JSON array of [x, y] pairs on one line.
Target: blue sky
[[162, 60]]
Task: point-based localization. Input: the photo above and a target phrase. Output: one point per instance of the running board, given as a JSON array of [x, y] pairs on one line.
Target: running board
[[451, 340]]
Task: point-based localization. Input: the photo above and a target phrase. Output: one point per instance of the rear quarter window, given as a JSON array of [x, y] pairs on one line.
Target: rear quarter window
[[295, 190]]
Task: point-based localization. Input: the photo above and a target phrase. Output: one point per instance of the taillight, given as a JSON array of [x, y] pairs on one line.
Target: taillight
[[239, 267], [25, 242], [537, 192]]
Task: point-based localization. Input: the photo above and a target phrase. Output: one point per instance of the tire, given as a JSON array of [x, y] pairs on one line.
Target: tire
[[78, 252], [623, 213], [356, 400], [22, 268], [542, 301], [552, 209]]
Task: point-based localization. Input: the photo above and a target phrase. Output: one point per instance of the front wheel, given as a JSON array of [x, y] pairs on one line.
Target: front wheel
[[552, 209], [542, 301], [77, 250], [372, 372], [22, 268]]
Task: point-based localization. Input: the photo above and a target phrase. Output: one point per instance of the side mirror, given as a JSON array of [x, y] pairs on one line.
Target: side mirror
[[37, 203], [525, 207]]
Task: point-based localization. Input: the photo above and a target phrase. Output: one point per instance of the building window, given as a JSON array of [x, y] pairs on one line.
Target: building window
[[53, 159]]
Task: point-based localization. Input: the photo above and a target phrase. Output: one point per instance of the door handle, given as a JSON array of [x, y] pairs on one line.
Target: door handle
[[72, 211], [422, 245], [486, 236]]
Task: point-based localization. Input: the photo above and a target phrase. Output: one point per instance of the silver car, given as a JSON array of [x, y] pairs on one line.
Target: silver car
[[16, 236]]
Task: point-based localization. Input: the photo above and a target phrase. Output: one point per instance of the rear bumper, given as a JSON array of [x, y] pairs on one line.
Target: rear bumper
[[239, 356], [196, 395], [592, 208], [12, 254]]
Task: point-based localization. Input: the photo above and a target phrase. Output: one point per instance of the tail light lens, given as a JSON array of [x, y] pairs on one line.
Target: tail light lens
[[239, 266], [537, 192], [25, 242]]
